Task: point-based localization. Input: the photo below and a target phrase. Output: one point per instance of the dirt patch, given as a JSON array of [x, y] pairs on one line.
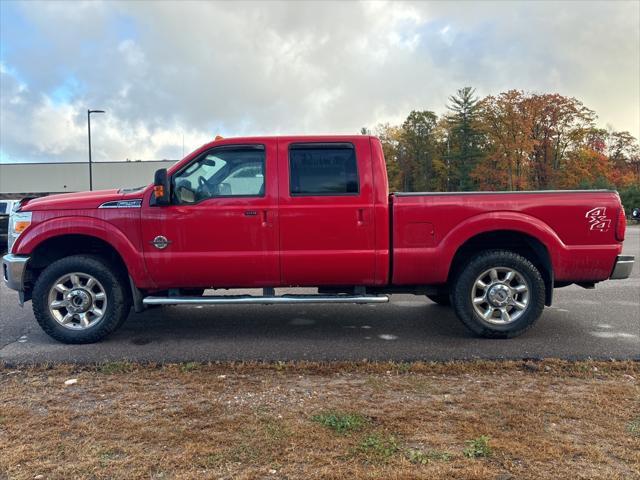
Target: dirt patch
[[496, 420]]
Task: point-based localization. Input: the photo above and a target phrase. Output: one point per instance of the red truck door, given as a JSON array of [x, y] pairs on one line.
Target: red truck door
[[326, 212], [221, 229]]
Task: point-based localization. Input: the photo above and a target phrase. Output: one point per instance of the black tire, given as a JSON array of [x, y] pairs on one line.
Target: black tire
[[118, 301], [441, 299], [465, 281]]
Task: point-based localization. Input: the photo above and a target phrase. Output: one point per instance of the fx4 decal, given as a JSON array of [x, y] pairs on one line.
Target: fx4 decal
[[598, 219]]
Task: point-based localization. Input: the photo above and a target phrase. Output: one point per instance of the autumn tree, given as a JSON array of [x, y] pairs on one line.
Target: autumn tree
[[507, 121], [510, 141], [585, 168], [558, 124], [621, 146], [623, 150]]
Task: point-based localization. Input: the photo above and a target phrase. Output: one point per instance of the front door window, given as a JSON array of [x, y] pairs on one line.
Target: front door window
[[237, 172]]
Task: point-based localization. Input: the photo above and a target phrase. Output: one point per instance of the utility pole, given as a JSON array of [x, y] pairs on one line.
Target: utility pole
[[89, 112]]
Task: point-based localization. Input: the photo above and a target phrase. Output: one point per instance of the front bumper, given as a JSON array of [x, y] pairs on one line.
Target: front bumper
[[622, 268], [14, 269]]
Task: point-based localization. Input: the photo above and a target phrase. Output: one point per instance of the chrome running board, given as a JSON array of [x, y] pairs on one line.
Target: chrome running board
[[264, 300]]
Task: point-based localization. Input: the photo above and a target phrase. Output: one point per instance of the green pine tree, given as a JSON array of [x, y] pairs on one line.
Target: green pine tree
[[464, 139]]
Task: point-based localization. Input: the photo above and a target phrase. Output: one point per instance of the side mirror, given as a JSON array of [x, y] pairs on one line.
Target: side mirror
[[161, 194], [636, 213]]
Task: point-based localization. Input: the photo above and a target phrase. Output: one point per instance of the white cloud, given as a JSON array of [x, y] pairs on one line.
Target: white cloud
[[164, 68]]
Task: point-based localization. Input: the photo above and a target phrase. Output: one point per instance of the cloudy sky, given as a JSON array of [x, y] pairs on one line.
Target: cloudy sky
[[165, 71]]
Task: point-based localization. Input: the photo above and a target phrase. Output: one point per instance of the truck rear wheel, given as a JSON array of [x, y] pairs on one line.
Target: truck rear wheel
[[499, 294], [80, 299]]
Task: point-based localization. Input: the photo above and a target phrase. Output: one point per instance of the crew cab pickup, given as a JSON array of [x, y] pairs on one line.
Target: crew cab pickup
[[304, 211]]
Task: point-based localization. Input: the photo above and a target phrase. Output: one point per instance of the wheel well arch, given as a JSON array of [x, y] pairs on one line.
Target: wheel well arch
[[521, 243], [61, 246]]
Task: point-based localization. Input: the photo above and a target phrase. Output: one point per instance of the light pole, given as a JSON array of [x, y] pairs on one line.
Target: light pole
[[89, 112]]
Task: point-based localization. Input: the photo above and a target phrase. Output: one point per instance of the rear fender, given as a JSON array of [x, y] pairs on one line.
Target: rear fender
[[431, 265], [500, 221], [572, 263]]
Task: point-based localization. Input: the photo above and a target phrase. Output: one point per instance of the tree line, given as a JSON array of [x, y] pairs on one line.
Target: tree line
[[511, 141]]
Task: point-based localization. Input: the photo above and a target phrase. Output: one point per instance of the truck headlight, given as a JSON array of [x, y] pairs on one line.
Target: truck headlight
[[18, 223]]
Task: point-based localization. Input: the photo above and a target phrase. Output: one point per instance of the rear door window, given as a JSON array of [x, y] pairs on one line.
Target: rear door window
[[323, 169]]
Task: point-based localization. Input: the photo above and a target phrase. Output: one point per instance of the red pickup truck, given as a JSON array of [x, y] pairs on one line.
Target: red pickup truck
[[310, 211]]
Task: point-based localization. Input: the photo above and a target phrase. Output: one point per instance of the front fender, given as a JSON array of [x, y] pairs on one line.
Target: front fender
[[90, 226]]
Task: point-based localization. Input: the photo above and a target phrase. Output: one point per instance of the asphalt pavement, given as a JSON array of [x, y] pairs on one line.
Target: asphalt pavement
[[600, 323]]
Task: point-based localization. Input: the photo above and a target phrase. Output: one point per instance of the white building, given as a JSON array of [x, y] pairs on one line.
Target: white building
[[19, 179]]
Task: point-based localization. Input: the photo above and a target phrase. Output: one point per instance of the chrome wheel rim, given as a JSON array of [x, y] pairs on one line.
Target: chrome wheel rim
[[500, 295], [77, 301]]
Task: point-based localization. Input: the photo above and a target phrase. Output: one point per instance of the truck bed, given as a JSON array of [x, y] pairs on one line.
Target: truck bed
[[576, 227]]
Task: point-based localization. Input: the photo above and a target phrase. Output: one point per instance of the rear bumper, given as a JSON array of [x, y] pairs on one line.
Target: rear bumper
[[622, 268], [14, 268]]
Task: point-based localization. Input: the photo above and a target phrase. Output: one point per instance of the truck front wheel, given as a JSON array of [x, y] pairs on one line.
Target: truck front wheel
[[498, 294], [80, 299]]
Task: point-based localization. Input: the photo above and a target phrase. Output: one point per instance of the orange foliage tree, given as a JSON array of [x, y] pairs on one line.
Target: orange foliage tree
[[507, 120], [510, 141]]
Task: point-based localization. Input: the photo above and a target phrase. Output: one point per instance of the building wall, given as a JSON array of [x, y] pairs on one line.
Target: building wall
[[41, 178]]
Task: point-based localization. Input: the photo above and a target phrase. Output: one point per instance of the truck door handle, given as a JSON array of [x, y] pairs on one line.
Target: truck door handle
[[265, 218], [360, 216]]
